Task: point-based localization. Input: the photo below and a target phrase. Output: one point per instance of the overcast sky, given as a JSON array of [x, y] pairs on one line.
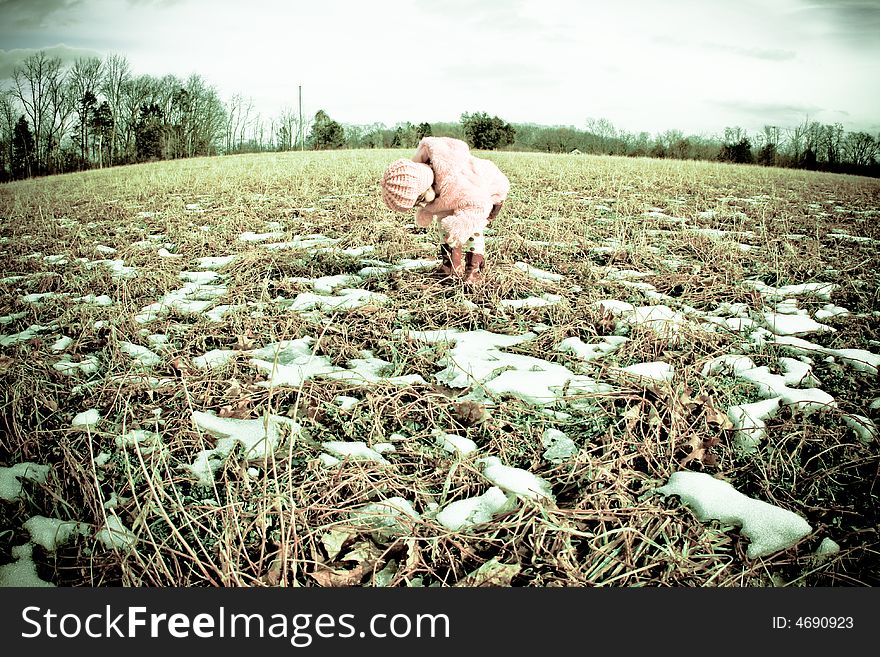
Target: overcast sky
[[652, 65]]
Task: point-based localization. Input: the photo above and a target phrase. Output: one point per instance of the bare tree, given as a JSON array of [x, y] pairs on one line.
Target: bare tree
[[85, 77], [36, 85], [7, 128], [238, 122], [137, 93], [116, 74], [831, 142], [288, 129], [606, 134], [860, 148]]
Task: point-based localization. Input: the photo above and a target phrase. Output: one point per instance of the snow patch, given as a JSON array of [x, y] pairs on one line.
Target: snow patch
[[769, 528]]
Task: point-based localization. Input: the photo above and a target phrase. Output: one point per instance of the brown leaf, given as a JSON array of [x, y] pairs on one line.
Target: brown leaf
[[240, 410], [273, 575], [246, 341], [338, 577], [698, 454], [181, 365], [6, 364], [491, 573], [365, 553], [720, 418], [233, 390], [470, 413]]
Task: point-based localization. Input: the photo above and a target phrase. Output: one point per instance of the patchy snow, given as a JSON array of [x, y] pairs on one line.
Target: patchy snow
[[748, 421], [22, 336], [258, 438], [391, 517], [820, 290], [532, 302], [327, 284], [516, 480], [864, 427], [769, 528], [471, 511], [61, 343], [774, 385], [10, 478], [653, 372], [140, 439], [40, 297], [310, 243], [357, 449], [260, 237], [8, 319], [345, 402], [378, 267], [827, 548], [99, 300], [51, 533], [796, 372], [787, 324], [118, 268], [859, 359], [290, 362], [215, 262], [347, 299], [23, 571], [829, 311], [142, 356], [215, 358], [192, 298], [87, 418], [538, 274], [114, 535], [200, 277], [559, 447], [454, 443], [613, 306], [477, 361], [662, 320]]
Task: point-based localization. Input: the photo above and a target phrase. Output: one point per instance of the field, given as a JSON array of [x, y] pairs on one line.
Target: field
[[239, 371]]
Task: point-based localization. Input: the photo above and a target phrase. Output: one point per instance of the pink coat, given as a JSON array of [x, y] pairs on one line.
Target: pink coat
[[467, 187]]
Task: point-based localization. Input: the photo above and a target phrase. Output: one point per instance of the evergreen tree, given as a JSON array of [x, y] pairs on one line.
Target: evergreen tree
[[23, 150], [487, 133], [148, 133], [325, 133], [101, 125], [738, 153], [424, 130]]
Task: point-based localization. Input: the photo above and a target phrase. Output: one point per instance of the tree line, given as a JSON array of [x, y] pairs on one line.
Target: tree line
[[98, 113]]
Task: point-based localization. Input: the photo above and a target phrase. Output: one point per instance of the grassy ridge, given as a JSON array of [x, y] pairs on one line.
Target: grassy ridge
[[289, 521]]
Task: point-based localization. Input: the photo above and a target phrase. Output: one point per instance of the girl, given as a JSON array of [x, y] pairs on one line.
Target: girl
[[464, 193]]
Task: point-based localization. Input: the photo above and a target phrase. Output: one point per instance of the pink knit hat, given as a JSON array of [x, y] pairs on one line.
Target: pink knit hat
[[402, 183]]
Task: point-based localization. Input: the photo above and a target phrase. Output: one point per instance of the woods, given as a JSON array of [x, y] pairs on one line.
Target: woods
[[99, 113]]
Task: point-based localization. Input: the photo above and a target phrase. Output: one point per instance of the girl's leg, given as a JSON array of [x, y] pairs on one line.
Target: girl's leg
[[451, 263], [475, 258]]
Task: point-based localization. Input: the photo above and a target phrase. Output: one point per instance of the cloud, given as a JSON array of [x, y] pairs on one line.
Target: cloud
[[772, 54], [161, 4], [767, 54], [780, 114], [9, 59], [29, 14], [855, 23]]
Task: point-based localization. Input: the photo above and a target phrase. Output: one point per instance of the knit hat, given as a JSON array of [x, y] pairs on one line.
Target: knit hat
[[402, 183]]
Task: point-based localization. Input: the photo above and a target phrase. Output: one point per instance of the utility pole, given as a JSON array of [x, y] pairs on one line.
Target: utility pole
[[302, 145]]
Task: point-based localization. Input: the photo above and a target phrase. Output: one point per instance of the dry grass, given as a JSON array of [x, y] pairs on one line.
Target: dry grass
[[289, 522]]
